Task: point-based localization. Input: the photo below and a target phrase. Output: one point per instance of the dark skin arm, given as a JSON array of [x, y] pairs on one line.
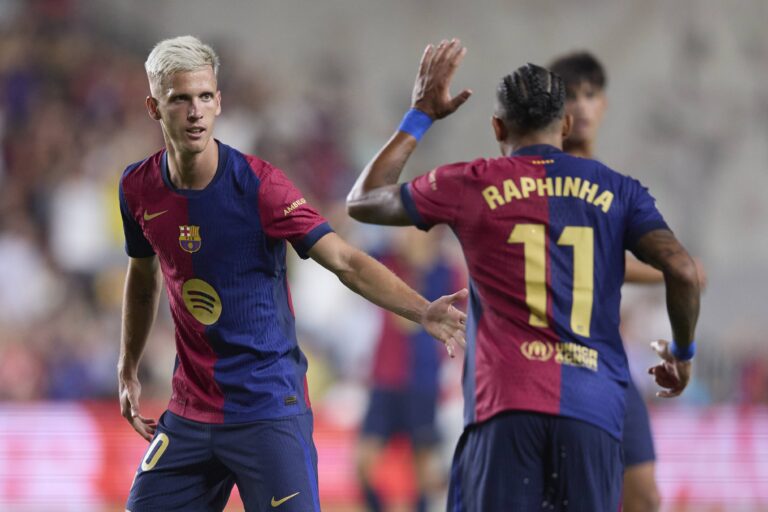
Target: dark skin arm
[[637, 272], [375, 197], [661, 249]]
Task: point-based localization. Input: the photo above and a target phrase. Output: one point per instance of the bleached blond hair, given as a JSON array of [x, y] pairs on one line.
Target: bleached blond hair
[[184, 53]]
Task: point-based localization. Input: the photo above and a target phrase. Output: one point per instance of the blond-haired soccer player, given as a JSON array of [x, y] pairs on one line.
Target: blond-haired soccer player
[[213, 223]]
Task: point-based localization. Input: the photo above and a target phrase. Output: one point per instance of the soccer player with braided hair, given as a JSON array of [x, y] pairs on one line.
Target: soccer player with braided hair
[[544, 236], [585, 83]]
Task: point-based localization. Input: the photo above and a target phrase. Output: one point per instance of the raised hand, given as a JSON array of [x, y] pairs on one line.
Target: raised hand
[[446, 323], [671, 374], [436, 70], [130, 389]]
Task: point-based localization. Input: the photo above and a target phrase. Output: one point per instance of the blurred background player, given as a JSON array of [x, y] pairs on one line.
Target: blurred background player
[[213, 224], [545, 254], [405, 373], [585, 82]]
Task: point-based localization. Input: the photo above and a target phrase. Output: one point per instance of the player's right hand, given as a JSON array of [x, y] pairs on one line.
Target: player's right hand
[[130, 389], [430, 93], [445, 323], [671, 374]]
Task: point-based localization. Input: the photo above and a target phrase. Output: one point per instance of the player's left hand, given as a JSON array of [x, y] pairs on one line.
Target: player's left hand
[[671, 374], [436, 69], [446, 323]]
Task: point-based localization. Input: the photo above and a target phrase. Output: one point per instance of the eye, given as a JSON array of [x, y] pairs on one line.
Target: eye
[[207, 96]]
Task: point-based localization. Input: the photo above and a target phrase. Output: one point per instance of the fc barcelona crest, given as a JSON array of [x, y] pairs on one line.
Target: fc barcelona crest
[[189, 238]]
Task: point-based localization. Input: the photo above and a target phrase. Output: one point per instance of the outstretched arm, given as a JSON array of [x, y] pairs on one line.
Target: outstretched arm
[[140, 299], [375, 197], [369, 278], [661, 249]]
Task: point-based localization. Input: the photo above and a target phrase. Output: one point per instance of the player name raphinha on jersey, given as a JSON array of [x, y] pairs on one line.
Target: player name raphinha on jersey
[[558, 186]]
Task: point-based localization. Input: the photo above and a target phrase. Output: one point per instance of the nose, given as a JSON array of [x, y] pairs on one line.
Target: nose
[[195, 112]]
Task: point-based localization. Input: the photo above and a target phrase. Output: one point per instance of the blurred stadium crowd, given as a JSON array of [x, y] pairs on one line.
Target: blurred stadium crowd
[[72, 117]]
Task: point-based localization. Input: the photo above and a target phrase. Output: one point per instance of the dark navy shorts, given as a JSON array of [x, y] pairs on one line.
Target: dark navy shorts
[[402, 412], [523, 461], [192, 466], [638, 440]]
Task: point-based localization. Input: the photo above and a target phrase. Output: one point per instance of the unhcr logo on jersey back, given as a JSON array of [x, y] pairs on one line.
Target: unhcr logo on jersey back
[[537, 350], [571, 354]]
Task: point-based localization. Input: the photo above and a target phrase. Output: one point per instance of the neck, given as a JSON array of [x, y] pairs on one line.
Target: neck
[[580, 148], [551, 138], [192, 171]]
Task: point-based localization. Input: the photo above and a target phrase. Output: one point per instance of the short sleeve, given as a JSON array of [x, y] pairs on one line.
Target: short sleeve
[[642, 215], [285, 213], [434, 198], [136, 245]]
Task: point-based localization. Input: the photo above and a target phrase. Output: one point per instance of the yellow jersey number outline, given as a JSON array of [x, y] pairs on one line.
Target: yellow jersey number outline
[[582, 239]]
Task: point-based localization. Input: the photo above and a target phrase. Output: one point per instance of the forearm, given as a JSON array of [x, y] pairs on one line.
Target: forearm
[[682, 300], [375, 197], [661, 249], [385, 168], [140, 301], [372, 280]]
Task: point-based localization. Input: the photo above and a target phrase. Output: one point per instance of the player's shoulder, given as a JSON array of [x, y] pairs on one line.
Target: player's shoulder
[[472, 169], [140, 167], [595, 169], [138, 175], [252, 164]]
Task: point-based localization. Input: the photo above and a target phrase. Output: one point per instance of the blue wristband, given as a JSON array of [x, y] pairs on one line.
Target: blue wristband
[[415, 123], [683, 354]]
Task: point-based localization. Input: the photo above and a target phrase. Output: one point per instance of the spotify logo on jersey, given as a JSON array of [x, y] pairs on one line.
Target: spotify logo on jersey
[[201, 301]]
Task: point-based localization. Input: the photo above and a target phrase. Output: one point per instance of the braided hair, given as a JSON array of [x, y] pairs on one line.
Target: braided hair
[[531, 98]]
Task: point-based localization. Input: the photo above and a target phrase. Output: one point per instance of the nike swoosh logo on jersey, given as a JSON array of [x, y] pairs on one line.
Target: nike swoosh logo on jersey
[[150, 216], [277, 503]]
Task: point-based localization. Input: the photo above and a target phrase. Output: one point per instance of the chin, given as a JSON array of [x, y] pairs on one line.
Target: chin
[[196, 146]]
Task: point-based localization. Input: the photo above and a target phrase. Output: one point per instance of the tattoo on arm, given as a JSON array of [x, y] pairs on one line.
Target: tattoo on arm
[[661, 249]]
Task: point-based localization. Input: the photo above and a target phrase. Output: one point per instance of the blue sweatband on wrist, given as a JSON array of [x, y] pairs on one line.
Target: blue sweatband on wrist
[[683, 354], [415, 123]]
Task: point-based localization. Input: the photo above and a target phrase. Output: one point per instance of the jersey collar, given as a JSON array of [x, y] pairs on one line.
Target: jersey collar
[[537, 149]]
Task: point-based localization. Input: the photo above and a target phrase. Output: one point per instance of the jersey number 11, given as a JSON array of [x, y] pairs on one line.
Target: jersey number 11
[[581, 238]]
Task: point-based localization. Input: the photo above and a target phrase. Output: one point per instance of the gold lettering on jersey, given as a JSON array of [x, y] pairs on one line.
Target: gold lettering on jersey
[[294, 205], [569, 354], [573, 354], [189, 238], [492, 197], [547, 187], [201, 301], [537, 350], [511, 191], [527, 185]]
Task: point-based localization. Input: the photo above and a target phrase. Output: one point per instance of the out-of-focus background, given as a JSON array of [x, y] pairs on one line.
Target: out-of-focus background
[[316, 88]]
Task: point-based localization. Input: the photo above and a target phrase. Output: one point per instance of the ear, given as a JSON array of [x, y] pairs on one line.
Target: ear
[[567, 125], [152, 109], [499, 129]]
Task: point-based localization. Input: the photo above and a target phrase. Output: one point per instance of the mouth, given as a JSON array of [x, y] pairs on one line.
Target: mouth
[[195, 132]]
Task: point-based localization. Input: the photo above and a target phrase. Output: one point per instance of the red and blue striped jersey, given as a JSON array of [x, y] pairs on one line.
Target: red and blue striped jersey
[[544, 235], [406, 357], [222, 254]]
